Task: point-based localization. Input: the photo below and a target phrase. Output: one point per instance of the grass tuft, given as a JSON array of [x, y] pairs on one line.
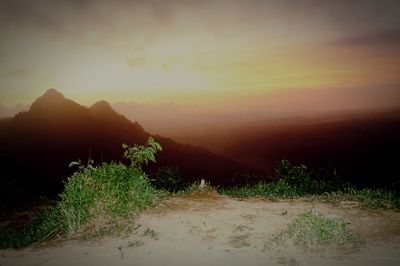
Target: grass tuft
[[44, 226], [312, 229], [366, 198], [95, 200], [110, 191], [300, 182]]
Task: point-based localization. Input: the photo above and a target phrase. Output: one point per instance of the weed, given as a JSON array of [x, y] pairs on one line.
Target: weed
[[138, 154], [366, 198], [96, 197], [43, 227], [168, 178], [195, 187], [151, 233], [312, 229], [135, 244], [300, 181], [108, 191]]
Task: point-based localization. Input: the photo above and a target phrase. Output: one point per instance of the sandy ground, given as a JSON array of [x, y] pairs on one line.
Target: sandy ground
[[208, 229]]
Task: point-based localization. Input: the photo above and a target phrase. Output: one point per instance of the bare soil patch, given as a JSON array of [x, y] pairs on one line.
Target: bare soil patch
[[209, 229]]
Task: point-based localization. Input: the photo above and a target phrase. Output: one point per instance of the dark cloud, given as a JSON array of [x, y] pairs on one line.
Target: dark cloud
[[349, 13], [17, 72], [120, 22], [375, 38]]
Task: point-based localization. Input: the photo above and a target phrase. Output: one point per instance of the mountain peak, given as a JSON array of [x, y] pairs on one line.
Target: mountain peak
[[102, 108], [52, 94], [53, 101], [50, 97]]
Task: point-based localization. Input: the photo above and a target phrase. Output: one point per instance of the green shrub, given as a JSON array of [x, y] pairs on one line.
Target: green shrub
[[99, 195], [111, 190], [306, 181], [168, 178], [291, 181], [138, 154]]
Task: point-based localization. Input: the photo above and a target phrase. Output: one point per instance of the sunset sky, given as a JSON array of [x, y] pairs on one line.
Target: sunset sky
[[201, 52]]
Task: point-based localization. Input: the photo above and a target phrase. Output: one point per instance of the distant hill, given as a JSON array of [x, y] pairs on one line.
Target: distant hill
[[364, 146], [11, 111], [36, 146]]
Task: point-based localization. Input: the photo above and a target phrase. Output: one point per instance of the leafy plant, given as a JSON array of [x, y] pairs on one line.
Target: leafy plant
[[81, 166], [138, 154], [168, 178]]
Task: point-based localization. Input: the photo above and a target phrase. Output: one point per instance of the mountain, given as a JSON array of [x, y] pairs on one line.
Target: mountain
[[6, 112], [363, 146], [37, 146]]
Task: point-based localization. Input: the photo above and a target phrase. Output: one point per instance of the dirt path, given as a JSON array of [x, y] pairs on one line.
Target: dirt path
[[207, 229]]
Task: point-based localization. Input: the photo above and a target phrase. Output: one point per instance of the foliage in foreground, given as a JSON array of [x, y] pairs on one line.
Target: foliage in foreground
[[103, 196], [298, 181], [366, 198], [291, 181], [42, 227], [95, 197], [109, 191], [168, 178], [312, 229]]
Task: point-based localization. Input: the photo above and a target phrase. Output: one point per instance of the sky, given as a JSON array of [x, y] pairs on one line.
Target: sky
[[340, 53]]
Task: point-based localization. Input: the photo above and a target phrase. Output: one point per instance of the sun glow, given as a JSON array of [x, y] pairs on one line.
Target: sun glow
[[191, 52]]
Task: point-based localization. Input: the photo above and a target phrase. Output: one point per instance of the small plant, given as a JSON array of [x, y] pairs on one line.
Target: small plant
[[291, 181], [168, 178], [81, 166], [312, 229], [109, 191], [196, 187], [138, 154], [94, 199], [151, 233]]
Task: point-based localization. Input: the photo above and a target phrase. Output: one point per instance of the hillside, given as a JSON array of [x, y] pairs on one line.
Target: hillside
[[362, 146], [37, 145]]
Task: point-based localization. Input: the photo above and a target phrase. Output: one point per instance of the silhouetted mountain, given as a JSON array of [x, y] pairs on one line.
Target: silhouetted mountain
[[6, 112], [102, 108], [362, 146], [36, 146]]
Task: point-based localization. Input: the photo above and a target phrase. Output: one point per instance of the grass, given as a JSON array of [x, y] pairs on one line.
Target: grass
[[151, 233], [95, 200], [99, 201], [44, 226], [110, 191], [366, 198], [195, 188], [312, 229], [300, 182]]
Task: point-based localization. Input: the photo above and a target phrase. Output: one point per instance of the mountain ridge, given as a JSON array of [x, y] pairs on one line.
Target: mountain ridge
[[42, 141]]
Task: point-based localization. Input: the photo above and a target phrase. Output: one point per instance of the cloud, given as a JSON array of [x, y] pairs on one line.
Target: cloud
[[375, 38], [101, 21], [17, 72]]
